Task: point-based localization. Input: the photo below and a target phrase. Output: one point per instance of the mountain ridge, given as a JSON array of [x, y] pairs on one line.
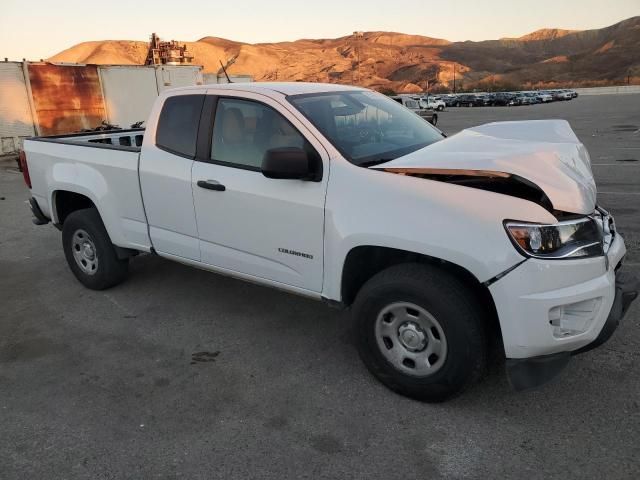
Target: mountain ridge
[[409, 62]]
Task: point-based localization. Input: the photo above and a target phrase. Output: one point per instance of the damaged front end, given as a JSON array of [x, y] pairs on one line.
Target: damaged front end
[[491, 181], [540, 161]]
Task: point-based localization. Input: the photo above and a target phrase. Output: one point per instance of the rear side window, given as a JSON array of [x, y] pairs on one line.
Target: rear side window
[[177, 130]]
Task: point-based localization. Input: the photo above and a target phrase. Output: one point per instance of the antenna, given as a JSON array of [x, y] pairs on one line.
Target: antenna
[[225, 72]]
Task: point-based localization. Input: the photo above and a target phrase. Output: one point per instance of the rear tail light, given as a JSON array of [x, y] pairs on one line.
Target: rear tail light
[[25, 168]]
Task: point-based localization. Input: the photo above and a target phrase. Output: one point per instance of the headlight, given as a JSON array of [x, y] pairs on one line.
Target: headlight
[[578, 238]]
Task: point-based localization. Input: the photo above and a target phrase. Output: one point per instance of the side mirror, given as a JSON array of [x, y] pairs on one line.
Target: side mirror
[[289, 163]]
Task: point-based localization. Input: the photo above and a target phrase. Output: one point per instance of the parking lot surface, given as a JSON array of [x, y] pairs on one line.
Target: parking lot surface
[[180, 373]]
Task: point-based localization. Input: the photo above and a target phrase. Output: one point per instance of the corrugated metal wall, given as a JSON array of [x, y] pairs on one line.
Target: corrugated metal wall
[[67, 98], [129, 93], [16, 121]]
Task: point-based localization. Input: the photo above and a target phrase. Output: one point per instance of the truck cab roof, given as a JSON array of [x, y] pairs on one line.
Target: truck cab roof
[[284, 88]]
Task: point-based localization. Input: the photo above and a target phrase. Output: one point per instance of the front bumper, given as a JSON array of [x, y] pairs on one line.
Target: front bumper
[[525, 373], [534, 300], [627, 287]]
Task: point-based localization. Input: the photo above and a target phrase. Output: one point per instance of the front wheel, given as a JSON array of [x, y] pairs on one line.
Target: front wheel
[[440, 108], [421, 332], [89, 252]]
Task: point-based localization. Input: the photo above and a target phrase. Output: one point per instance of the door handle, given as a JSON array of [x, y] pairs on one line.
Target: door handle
[[211, 185]]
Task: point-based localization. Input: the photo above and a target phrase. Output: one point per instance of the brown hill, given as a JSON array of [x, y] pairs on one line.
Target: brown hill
[[404, 62], [545, 34]]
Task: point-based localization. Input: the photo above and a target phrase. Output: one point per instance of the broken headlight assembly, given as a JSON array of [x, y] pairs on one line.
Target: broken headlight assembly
[[579, 238]]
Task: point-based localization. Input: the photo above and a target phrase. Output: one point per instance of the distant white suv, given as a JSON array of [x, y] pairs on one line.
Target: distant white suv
[[414, 104], [544, 97], [432, 103]]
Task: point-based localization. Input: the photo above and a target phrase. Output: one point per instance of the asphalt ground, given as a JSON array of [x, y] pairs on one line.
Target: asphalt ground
[[180, 373]]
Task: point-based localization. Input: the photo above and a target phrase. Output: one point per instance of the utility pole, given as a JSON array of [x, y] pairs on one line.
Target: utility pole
[[356, 40], [454, 77]]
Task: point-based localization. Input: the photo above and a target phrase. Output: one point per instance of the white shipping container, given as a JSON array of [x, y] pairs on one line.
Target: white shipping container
[[129, 93], [172, 76], [213, 78], [210, 78], [16, 121]]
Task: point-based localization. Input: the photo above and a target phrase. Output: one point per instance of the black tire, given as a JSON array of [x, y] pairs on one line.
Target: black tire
[[440, 108], [456, 310], [86, 225]]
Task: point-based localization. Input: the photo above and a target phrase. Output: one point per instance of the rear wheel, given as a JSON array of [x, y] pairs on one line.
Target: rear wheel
[[420, 332], [89, 252]]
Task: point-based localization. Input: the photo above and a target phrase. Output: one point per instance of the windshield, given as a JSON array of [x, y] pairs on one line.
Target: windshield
[[366, 127]]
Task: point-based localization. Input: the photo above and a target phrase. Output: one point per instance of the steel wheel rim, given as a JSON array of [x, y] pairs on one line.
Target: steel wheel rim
[[84, 252], [411, 339]]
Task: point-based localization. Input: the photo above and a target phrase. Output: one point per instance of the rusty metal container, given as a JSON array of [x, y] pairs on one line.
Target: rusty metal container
[[66, 98]]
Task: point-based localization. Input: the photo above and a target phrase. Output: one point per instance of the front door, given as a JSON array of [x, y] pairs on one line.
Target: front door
[[251, 224]]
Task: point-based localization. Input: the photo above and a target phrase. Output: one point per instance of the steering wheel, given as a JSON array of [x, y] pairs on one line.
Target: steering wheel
[[367, 133]]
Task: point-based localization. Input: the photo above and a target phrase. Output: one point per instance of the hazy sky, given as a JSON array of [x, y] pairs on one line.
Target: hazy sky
[[37, 29]]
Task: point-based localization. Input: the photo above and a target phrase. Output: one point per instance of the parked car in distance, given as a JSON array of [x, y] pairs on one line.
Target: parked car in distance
[[439, 246], [529, 97], [534, 97], [545, 97], [414, 105], [502, 99], [432, 102], [469, 100], [485, 98], [565, 95], [450, 100]]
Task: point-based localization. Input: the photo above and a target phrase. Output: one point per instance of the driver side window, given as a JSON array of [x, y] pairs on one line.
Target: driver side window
[[243, 131]]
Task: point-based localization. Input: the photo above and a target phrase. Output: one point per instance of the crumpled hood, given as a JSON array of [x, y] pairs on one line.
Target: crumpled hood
[[547, 153]]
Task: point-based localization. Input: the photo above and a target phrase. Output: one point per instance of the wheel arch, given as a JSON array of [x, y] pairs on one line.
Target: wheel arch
[[64, 202], [365, 261]]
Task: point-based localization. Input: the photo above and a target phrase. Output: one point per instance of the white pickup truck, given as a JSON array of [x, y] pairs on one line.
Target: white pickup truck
[[441, 246]]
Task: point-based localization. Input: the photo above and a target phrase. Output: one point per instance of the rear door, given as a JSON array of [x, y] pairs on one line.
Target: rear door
[[165, 176], [266, 228]]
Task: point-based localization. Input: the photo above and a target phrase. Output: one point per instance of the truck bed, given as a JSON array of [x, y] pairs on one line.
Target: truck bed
[[128, 140], [102, 166]]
